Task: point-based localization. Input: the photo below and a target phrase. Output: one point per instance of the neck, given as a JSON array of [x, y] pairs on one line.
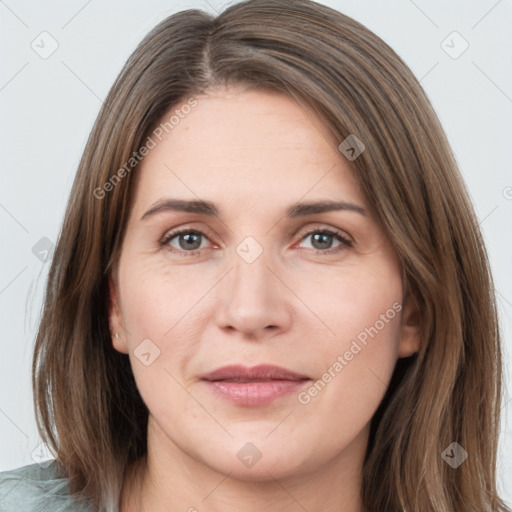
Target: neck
[[176, 481]]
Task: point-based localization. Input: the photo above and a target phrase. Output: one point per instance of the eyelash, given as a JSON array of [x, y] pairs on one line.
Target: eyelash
[[345, 242]]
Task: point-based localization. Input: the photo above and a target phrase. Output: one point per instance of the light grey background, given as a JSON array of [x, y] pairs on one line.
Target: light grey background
[[48, 106]]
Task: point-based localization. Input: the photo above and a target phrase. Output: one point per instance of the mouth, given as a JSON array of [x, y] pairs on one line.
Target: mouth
[[254, 386], [262, 372]]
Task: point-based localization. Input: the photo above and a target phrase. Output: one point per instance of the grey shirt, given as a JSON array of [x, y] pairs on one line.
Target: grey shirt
[[36, 488]]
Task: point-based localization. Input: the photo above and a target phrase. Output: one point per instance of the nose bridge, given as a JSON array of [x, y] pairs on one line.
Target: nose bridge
[[250, 271], [251, 278]]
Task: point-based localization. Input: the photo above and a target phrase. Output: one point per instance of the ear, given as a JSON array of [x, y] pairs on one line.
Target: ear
[[410, 329], [117, 330]]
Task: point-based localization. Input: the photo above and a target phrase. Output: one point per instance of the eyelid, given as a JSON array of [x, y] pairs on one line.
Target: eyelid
[[331, 231], [327, 228]]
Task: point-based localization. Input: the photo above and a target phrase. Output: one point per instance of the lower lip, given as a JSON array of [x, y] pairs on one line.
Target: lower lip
[[255, 393]]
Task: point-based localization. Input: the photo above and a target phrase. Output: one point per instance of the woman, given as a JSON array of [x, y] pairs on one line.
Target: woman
[[270, 290]]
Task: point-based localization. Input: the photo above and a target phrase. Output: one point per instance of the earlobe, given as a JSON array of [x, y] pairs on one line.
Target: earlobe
[[410, 330], [115, 319]]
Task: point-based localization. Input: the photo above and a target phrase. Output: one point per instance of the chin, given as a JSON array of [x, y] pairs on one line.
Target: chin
[[250, 463]]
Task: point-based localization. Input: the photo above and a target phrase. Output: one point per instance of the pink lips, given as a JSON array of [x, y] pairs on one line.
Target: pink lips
[[257, 385]]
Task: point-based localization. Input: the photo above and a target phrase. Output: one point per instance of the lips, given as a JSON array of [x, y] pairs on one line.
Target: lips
[[260, 373], [257, 386]]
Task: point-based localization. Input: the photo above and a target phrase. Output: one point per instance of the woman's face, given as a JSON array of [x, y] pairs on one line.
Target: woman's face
[[317, 293]]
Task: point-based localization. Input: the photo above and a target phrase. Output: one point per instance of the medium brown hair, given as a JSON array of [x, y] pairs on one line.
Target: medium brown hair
[[88, 408]]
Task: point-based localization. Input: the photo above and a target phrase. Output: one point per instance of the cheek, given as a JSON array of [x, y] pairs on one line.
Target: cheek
[[354, 374], [356, 359], [358, 302], [156, 298], [160, 311]]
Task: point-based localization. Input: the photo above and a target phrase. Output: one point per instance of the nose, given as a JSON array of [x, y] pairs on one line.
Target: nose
[[253, 300]]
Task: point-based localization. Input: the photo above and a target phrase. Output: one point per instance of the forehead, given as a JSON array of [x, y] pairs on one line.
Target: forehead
[[246, 143]]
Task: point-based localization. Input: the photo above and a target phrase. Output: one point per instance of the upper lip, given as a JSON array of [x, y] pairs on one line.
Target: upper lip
[[260, 372]]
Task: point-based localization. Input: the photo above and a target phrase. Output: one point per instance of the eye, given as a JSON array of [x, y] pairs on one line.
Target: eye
[[188, 240], [322, 240]]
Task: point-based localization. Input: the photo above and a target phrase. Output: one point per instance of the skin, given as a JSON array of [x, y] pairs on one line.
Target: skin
[[254, 154]]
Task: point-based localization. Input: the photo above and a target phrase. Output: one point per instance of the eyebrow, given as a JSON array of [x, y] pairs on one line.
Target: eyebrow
[[208, 208]]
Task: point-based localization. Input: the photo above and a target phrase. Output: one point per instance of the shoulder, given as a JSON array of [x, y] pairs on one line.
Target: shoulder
[[36, 488]]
